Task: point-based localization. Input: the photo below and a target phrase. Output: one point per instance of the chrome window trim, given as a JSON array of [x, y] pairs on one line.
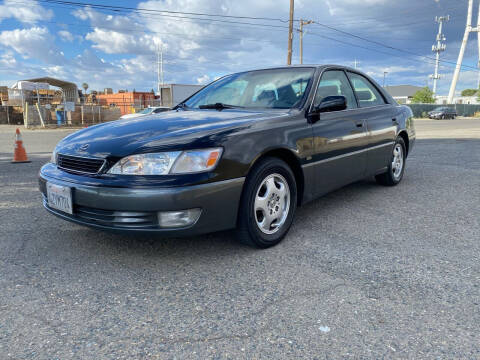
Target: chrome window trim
[[345, 70]]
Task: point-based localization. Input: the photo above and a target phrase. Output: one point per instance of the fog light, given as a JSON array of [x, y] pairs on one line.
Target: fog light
[[180, 218]]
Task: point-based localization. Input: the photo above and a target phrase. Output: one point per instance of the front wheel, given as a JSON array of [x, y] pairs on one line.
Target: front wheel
[[396, 167], [268, 204]]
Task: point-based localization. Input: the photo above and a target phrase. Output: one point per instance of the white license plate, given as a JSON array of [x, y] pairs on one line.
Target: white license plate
[[60, 197]]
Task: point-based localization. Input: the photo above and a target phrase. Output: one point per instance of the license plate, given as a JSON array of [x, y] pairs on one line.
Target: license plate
[[60, 197]]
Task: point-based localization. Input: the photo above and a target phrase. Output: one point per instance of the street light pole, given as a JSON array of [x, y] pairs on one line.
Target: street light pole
[[302, 23], [384, 77]]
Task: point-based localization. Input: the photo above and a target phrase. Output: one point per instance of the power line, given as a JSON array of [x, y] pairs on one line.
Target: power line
[[111, 8], [385, 45], [125, 8]]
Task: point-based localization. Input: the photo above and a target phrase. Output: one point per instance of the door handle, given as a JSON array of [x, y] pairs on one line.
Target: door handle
[[359, 124], [394, 119]]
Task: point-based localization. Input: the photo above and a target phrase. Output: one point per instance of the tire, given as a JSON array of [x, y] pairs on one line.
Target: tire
[[268, 204], [394, 175]]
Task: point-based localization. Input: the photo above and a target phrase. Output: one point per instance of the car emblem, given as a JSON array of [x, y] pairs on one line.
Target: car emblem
[[83, 147]]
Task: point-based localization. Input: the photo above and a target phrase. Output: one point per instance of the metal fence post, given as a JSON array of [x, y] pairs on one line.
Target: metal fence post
[[25, 115]]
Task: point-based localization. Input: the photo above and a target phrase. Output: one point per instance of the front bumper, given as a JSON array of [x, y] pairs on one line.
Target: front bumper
[[135, 209]]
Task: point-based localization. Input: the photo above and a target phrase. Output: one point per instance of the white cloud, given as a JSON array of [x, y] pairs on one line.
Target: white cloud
[[36, 43], [112, 42], [193, 49], [66, 35], [204, 79], [24, 12], [7, 60]]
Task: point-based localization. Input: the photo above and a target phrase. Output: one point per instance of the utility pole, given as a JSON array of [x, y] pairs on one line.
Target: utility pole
[[384, 77], [290, 34], [468, 30], [302, 23], [355, 63], [438, 48], [478, 39]]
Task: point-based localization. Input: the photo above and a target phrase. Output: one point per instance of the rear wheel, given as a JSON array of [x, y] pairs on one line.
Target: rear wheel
[[396, 167], [268, 204]]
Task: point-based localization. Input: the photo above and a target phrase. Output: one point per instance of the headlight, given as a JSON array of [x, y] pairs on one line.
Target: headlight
[[194, 161], [175, 162]]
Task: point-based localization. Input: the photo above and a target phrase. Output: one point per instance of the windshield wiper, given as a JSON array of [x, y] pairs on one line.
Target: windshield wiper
[[217, 106]]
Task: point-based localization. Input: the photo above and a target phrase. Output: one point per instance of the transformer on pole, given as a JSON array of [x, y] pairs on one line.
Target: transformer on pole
[[468, 30], [438, 48]]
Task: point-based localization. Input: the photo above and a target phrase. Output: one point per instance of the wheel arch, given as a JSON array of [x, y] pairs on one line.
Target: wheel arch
[[292, 161], [404, 135]]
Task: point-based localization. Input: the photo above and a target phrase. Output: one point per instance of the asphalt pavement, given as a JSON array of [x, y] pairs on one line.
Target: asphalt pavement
[[365, 272]]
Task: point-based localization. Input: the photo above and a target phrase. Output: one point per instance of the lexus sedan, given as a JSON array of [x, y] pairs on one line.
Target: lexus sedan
[[243, 152], [444, 112]]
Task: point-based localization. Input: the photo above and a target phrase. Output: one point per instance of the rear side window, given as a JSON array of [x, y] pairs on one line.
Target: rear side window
[[335, 83], [367, 93]]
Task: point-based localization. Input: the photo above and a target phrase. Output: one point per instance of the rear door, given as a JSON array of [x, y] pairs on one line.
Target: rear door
[[381, 120], [340, 137]]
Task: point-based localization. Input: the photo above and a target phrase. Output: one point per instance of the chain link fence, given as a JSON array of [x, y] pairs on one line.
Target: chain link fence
[[421, 110], [56, 115]]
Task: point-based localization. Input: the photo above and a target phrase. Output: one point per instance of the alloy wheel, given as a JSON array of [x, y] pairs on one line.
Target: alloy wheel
[[272, 203], [397, 161]]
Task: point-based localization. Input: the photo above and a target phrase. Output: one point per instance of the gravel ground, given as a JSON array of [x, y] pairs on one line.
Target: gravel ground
[[365, 272]]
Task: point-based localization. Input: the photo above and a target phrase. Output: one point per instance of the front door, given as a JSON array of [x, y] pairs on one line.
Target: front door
[[340, 137], [381, 122]]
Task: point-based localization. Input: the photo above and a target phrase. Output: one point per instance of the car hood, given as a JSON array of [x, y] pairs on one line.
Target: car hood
[[165, 131]]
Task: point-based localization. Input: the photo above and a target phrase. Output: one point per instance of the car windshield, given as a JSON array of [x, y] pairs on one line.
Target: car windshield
[[440, 109], [146, 111], [275, 89]]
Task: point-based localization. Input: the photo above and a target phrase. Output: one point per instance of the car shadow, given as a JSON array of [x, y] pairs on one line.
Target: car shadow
[[219, 244]]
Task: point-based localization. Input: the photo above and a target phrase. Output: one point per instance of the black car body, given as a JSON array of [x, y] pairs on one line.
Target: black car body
[[443, 112], [318, 147]]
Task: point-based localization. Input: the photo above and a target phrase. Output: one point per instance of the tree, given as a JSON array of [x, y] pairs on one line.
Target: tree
[[424, 96], [469, 92], [85, 87]]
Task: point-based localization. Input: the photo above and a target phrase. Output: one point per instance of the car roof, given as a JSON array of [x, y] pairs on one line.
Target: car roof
[[317, 66]]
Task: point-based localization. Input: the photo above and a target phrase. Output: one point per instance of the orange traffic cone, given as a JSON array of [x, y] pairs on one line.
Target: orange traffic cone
[[19, 153]]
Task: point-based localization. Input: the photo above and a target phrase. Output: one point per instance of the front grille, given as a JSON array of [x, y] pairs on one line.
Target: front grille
[[122, 219], [79, 164]]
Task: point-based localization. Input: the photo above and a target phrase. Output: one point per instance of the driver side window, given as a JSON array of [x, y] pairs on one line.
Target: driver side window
[[335, 83]]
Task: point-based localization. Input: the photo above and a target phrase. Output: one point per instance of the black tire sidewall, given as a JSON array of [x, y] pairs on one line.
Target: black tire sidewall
[[267, 167]]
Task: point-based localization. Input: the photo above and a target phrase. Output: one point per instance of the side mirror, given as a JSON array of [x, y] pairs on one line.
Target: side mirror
[[328, 104], [332, 103]]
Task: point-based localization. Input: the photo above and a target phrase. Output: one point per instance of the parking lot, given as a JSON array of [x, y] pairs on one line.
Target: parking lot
[[365, 272]]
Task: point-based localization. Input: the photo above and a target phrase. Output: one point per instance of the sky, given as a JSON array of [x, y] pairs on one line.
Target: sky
[[118, 49]]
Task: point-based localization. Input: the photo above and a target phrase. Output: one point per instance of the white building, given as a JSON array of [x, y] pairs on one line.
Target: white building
[[442, 100]]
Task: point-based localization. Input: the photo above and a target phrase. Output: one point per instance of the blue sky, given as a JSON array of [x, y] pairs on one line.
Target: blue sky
[[118, 49]]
